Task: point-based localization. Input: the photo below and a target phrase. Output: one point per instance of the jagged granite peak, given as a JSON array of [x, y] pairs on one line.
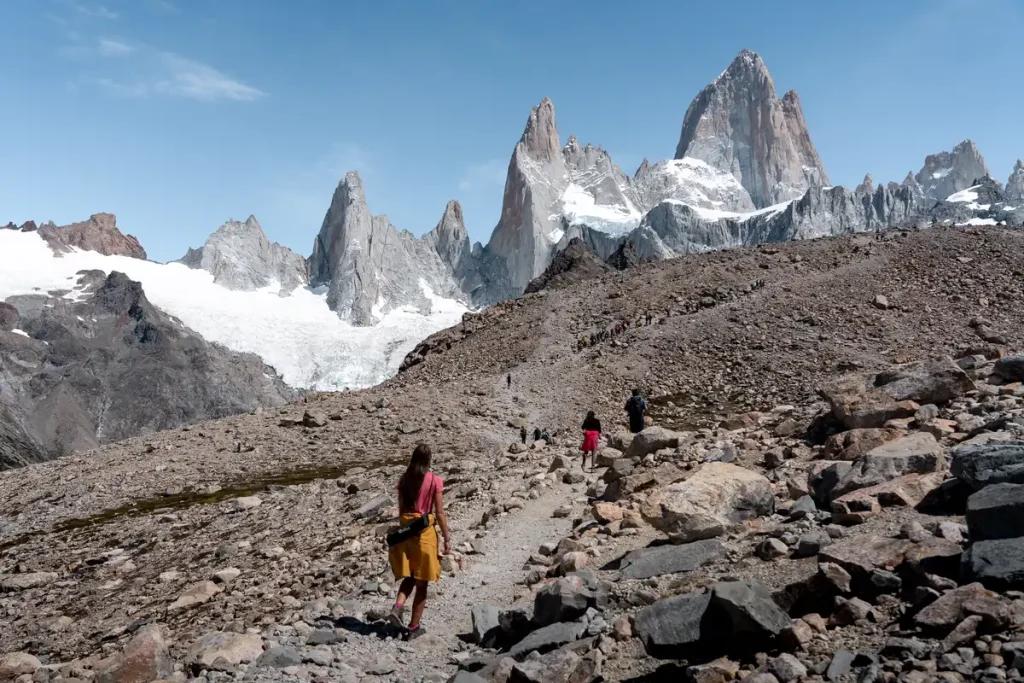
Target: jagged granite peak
[[674, 228], [540, 137], [449, 240], [691, 181], [737, 124], [1015, 183], [239, 256], [867, 186], [947, 173], [370, 268], [99, 234], [523, 241]]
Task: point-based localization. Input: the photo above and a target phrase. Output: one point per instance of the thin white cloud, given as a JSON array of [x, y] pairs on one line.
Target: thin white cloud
[[195, 80], [109, 47], [484, 175], [96, 12]]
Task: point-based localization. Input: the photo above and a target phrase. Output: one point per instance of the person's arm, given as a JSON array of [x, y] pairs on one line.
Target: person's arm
[[442, 520]]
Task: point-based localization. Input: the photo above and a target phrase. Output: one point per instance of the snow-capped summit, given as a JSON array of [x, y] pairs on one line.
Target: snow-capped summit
[[239, 256], [947, 173], [738, 125]]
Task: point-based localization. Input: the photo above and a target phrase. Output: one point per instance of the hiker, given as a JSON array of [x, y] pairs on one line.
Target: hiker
[[635, 407], [509, 378], [522, 434], [536, 434], [545, 437], [412, 549], [591, 433]]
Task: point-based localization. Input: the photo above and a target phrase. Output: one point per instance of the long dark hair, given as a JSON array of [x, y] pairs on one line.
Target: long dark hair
[[411, 482]]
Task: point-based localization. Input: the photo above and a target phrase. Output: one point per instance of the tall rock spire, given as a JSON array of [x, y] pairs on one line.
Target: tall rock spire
[[738, 125], [947, 173], [1015, 184]]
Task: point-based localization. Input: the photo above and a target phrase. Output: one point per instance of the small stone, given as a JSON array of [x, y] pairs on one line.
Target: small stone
[[787, 668], [772, 548]]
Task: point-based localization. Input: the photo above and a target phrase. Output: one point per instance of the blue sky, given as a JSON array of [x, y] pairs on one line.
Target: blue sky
[[178, 114]]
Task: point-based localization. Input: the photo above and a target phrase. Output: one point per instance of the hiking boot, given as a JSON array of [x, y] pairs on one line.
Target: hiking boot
[[397, 616], [415, 633]]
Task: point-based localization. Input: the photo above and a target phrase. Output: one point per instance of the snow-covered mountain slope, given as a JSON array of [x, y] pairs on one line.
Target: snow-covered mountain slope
[[299, 335]]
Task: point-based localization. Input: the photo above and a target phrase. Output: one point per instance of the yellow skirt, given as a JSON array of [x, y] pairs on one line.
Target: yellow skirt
[[417, 557]]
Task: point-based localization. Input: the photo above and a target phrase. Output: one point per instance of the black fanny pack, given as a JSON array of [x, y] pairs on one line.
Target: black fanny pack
[[411, 530]]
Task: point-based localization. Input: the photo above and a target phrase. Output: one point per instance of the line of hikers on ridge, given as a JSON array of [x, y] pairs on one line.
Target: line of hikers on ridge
[[615, 330]]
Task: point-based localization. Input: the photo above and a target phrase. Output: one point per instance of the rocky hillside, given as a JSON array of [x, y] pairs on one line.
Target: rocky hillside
[[832, 404], [102, 364]]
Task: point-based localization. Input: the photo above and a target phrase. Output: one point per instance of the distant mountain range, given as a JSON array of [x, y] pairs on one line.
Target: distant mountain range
[[744, 172]]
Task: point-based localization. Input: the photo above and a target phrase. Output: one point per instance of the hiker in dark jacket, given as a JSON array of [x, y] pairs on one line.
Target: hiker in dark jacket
[[591, 433], [636, 406]]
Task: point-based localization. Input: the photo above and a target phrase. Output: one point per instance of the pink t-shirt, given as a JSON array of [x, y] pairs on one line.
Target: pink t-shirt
[[425, 499]]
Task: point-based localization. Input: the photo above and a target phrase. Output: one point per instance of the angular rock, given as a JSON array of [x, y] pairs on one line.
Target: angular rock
[[278, 657], [555, 667], [547, 638], [486, 625], [750, 607], [707, 504], [196, 594], [314, 418], [673, 623], [918, 453], [234, 648], [906, 491], [956, 605], [1010, 368], [979, 465], [374, 506], [854, 443], [10, 583], [144, 659], [565, 599], [15, 664], [669, 559], [652, 440], [998, 564], [605, 513], [823, 479], [995, 512], [607, 456], [787, 668]]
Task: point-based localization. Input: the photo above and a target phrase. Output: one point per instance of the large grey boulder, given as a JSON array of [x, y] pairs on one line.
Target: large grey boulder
[[1010, 368], [737, 124], [998, 564], [486, 624], [669, 559], [917, 453], [651, 440], [547, 638], [711, 501], [144, 659], [980, 465], [565, 599], [729, 613], [239, 256], [996, 511]]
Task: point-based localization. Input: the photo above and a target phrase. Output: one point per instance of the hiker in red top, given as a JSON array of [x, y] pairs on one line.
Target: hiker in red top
[[591, 433]]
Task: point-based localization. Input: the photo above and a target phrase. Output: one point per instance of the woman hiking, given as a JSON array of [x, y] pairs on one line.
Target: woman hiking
[[413, 556], [591, 433]]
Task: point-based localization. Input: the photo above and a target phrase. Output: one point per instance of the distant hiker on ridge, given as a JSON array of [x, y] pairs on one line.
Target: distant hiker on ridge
[[522, 435], [591, 433], [636, 406], [412, 549]]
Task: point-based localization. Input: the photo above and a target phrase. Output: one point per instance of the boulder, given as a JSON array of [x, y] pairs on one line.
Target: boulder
[[196, 594], [560, 462], [607, 456], [466, 677], [998, 564], [620, 441], [314, 419], [906, 491], [9, 317], [1010, 368], [979, 465], [373, 506], [15, 664], [866, 400], [717, 497], [956, 605], [823, 478], [918, 453], [486, 625], [606, 513], [854, 443], [642, 480], [652, 440], [565, 599], [11, 583], [669, 559], [862, 554], [996, 511], [278, 657], [546, 639], [144, 659], [234, 648], [559, 666], [710, 619]]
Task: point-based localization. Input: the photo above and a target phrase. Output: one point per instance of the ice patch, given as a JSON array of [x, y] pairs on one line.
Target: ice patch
[[942, 173], [580, 207], [981, 221], [23, 333], [969, 195], [298, 335], [714, 214]]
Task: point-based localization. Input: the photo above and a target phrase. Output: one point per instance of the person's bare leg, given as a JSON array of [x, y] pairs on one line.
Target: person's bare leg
[[404, 589], [419, 603]]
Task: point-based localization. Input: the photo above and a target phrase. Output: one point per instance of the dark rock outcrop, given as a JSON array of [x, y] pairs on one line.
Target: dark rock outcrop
[[573, 264], [99, 234], [111, 366]]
